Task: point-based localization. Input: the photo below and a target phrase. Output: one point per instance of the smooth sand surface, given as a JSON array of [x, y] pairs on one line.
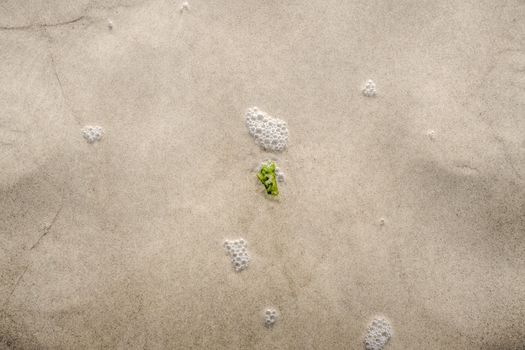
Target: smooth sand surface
[[133, 257]]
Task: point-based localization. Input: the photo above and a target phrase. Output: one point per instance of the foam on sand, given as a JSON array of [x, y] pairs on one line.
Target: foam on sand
[[431, 134], [92, 133], [185, 6], [378, 334], [238, 252], [270, 133], [270, 316], [370, 89]]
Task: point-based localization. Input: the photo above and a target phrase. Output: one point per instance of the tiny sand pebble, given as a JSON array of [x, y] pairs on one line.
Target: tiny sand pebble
[[92, 133], [184, 6], [431, 134], [110, 24]]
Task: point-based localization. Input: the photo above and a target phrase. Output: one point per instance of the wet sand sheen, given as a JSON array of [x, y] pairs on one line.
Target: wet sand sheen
[[409, 204]]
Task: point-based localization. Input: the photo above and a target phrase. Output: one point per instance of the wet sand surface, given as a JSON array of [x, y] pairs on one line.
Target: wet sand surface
[[118, 244]]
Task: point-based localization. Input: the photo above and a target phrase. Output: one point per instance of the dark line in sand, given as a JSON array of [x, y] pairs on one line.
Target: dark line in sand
[[48, 227], [43, 25], [57, 76], [14, 288]]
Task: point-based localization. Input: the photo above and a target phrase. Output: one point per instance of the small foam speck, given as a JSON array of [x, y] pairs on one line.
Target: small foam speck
[[238, 252], [378, 334], [270, 133], [92, 133], [270, 317], [370, 89], [185, 6]]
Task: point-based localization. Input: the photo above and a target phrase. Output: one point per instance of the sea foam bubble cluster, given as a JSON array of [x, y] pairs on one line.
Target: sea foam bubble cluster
[[378, 334], [370, 89], [270, 316], [92, 133], [279, 174], [269, 133], [238, 252], [184, 6]]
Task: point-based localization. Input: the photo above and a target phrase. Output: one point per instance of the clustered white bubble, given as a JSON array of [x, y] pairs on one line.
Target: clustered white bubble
[[92, 133], [270, 133], [270, 316], [238, 251], [184, 6], [378, 334], [370, 89], [279, 175]]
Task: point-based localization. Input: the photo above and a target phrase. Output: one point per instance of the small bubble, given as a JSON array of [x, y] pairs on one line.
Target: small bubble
[[370, 89], [238, 253], [184, 6], [378, 334], [92, 133]]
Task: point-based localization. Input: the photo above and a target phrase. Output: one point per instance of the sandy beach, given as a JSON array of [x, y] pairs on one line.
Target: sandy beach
[[407, 205]]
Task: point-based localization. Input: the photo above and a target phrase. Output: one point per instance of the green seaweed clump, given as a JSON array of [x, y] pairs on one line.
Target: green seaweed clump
[[267, 177]]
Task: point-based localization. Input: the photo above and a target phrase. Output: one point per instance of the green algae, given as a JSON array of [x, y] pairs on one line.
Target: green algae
[[267, 177]]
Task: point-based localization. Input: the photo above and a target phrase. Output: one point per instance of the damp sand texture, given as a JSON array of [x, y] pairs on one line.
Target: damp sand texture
[[130, 228]]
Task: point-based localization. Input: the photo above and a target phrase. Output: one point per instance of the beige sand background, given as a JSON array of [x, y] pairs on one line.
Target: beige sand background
[[133, 258]]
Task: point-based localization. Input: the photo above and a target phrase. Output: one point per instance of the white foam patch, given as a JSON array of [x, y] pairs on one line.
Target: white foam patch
[[370, 89], [184, 7], [238, 252], [270, 317], [279, 175], [269, 133], [92, 133], [378, 334]]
